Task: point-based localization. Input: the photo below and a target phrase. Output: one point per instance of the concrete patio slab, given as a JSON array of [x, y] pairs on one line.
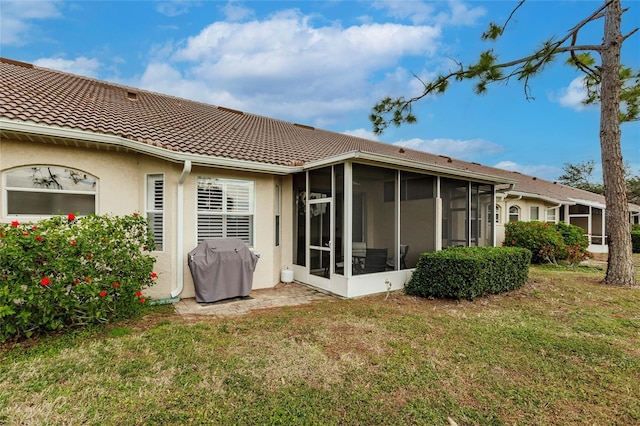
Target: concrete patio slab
[[289, 294]]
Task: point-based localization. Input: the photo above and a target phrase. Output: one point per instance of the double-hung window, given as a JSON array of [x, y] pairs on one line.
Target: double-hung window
[[49, 190], [155, 208], [534, 213], [225, 209]]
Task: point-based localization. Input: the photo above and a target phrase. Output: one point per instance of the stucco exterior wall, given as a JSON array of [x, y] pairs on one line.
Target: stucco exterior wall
[[524, 205], [121, 190]]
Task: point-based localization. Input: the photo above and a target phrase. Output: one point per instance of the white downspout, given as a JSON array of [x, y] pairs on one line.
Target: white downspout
[[180, 231]]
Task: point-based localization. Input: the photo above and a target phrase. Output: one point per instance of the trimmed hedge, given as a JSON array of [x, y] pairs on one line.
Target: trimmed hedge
[[635, 241], [469, 272]]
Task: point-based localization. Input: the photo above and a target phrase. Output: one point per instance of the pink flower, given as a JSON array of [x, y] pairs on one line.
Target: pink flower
[[39, 237], [142, 300], [154, 275], [45, 281], [139, 293], [15, 224], [103, 293], [73, 242], [25, 234], [116, 284], [71, 217], [34, 227]]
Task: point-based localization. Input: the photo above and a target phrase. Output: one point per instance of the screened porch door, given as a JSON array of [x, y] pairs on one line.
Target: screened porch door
[[320, 251]]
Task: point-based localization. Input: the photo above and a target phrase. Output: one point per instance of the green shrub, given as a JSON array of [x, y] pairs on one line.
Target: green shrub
[[544, 240], [635, 241], [575, 241], [67, 272], [469, 272]]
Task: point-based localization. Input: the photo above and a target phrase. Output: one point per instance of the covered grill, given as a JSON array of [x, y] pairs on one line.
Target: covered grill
[[222, 269]]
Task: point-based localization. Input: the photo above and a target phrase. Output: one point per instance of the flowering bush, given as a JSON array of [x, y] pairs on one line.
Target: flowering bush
[[548, 242], [68, 272]]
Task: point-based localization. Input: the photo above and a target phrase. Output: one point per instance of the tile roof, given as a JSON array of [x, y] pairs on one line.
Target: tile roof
[[38, 95]]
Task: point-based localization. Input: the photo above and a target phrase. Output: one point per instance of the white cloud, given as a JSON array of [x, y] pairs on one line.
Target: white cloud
[[462, 149], [572, 96], [234, 12], [16, 19], [88, 67], [540, 170], [286, 67], [362, 133], [175, 7], [423, 12]]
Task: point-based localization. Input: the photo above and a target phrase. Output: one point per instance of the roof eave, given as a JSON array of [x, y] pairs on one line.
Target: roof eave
[[540, 197], [410, 164], [56, 132]]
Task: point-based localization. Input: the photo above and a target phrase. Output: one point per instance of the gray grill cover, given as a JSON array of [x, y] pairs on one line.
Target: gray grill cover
[[222, 269]]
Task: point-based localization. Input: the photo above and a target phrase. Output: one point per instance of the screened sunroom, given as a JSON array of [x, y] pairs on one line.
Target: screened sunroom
[[360, 227]]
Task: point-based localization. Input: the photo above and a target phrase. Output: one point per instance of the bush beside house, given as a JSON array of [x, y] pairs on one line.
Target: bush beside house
[[635, 241], [548, 242], [68, 272], [469, 272]]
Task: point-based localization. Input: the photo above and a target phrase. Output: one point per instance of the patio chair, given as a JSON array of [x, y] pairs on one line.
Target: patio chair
[[358, 253], [404, 249], [375, 260]]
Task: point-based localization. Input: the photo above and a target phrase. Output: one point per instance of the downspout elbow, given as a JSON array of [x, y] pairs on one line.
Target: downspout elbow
[[186, 169]]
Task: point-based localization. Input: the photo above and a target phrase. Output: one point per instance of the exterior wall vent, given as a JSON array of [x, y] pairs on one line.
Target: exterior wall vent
[[132, 96]]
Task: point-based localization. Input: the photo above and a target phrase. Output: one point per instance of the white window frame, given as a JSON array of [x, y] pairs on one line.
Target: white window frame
[[223, 211], [6, 188], [278, 216], [495, 214], [517, 213], [551, 214], [535, 209], [153, 208]]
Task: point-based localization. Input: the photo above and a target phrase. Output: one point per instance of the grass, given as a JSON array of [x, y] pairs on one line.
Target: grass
[[564, 349]]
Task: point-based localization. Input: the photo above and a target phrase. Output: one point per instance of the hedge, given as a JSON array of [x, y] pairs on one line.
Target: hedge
[[635, 241], [469, 272]]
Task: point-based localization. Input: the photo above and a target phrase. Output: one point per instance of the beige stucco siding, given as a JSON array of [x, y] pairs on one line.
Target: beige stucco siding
[[524, 204], [122, 190]]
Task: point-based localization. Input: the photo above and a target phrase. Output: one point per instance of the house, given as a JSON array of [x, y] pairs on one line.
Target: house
[[348, 215]]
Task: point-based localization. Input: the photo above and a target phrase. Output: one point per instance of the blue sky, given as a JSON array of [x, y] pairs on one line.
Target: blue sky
[[327, 63]]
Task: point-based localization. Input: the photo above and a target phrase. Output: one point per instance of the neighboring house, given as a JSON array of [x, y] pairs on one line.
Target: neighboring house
[[348, 215]]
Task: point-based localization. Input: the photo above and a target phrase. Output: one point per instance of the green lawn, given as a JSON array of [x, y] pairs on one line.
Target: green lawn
[[562, 350]]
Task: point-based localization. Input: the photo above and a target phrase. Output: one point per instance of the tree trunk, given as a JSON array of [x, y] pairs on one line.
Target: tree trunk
[[620, 269]]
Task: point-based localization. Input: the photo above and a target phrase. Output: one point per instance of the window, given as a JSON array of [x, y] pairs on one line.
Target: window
[[514, 214], [277, 197], [225, 209], [551, 214], [534, 213], [154, 208], [49, 190], [493, 213]]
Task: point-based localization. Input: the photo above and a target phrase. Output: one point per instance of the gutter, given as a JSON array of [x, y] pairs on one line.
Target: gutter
[[186, 169], [154, 150]]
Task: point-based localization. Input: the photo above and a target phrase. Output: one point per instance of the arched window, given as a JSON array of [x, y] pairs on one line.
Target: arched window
[[514, 214], [49, 190]]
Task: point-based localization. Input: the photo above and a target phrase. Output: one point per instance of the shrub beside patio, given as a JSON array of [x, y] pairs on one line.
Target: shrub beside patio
[[69, 272], [469, 272]]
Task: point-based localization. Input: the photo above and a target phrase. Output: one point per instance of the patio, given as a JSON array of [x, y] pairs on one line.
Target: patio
[[289, 294]]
